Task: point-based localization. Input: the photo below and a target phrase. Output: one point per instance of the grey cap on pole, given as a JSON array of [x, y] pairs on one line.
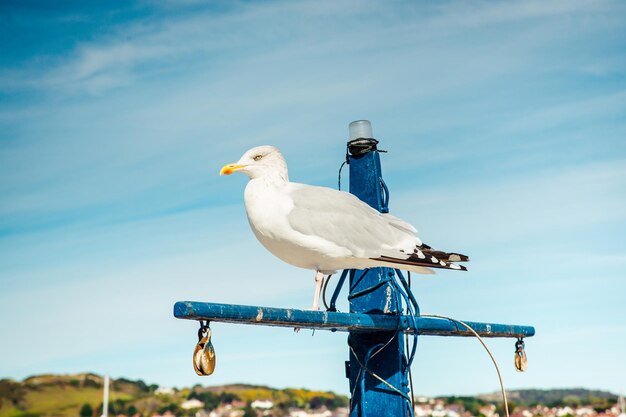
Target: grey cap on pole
[[361, 129]]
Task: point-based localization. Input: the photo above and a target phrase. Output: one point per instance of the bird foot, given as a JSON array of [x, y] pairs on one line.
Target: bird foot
[[313, 308], [297, 330]]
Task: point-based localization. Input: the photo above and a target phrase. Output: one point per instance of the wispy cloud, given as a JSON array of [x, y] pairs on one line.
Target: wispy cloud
[[556, 201], [504, 123], [123, 55]]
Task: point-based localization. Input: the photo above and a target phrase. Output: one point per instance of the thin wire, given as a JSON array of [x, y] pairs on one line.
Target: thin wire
[[411, 398], [408, 357], [366, 369], [383, 347], [406, 340], [362, 367], [411, 310], [480, 339], [355, 384]]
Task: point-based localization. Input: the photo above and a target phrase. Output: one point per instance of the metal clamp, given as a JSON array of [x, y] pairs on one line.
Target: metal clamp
[[521, 361]]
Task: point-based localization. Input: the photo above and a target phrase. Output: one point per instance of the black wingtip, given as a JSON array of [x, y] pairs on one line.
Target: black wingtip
[[446, 256], [428, 262]]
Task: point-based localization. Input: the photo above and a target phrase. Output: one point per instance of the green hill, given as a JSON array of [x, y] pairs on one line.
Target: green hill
[[81, 395], [557, 397], [67, 395], [59, 395]]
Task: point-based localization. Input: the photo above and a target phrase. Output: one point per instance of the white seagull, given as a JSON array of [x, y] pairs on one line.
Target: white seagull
[[324, 229]]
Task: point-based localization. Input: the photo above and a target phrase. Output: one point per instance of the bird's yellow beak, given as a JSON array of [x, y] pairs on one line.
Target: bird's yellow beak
[[230, 168]]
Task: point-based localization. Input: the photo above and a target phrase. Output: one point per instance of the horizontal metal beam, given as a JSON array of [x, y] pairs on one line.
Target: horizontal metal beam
[[335, 321]]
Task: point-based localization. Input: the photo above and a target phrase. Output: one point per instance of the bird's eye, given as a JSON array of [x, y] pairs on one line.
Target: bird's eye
[[258, 157]]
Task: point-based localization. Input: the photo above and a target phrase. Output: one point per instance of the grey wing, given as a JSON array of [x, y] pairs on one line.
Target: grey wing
[[346, 221]]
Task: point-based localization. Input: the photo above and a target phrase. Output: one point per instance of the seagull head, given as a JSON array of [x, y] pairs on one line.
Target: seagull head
[[258, 162]]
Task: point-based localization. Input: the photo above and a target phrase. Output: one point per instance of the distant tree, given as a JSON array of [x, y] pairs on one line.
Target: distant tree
[[600, 407], [228, 397], [285, 405], [131, 410], [342, 401], [172, 407], [90, 383], [118, 406], [249, 411], [12, 391], [211, 400], [316, 402], [472, 405], [86, 411], [571, 401], [115, 407], [556, 397], [500, 408], [142, 385]]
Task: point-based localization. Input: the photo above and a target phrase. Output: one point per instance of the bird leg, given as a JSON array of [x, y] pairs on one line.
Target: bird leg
[[319, 280]]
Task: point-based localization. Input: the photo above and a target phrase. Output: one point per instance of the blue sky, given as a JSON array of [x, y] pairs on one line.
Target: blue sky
[[505, 125]]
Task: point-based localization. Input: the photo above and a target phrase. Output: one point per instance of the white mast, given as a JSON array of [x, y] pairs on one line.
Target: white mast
[[105, 400]]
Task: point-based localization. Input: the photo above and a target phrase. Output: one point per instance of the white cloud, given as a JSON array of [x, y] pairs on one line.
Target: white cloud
[[540, 204]]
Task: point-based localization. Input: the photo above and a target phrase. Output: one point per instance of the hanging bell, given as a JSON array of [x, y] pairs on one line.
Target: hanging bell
[[204, 354], [521, 362]]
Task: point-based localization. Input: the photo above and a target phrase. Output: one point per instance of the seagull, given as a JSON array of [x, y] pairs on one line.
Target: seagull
[[327, 230]]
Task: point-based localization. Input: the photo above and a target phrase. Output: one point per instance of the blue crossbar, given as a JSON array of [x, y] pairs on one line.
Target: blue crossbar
[[335, 321]]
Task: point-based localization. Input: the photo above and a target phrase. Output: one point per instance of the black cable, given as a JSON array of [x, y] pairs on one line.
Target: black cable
[[324, 291], [406, 340], [339, 177], [361, 146]]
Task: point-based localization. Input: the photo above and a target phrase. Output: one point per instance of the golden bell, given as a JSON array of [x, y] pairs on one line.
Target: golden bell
[[204, 356]]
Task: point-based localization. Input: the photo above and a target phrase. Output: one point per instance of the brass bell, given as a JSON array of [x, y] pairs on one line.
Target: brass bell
[[521, 362], [204, 354]]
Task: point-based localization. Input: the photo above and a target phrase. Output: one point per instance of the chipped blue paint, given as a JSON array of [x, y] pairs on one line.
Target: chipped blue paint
[[345, 322]]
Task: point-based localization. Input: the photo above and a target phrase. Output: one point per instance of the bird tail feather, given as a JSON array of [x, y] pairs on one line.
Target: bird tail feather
[[426, 258]]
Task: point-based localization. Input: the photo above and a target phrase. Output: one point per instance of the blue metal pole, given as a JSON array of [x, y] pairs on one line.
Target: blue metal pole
[[371, 292], [344, 322]]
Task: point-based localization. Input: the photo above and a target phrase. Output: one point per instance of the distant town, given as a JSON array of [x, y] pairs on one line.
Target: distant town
[[81, 395], [424, 407], [431, 407]]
